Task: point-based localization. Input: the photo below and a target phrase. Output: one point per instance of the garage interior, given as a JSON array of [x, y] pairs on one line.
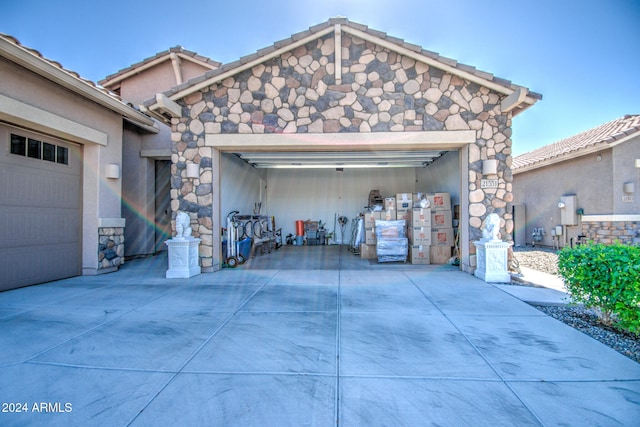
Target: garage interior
[[321, 186]]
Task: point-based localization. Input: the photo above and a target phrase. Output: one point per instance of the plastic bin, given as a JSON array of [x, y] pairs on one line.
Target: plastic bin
[[244, 248]]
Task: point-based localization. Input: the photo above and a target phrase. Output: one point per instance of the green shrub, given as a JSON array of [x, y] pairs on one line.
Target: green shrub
[[606, 277]]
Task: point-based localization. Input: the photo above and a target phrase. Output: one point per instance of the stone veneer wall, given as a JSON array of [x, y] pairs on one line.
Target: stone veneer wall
[[609, 232], [110, 247], [380, 91]]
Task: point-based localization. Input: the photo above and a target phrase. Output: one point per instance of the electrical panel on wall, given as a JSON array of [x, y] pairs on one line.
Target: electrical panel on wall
[[568, 206]]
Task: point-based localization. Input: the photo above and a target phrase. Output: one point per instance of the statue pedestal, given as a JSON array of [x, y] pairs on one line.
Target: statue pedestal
[[492, 261], [183, 257]]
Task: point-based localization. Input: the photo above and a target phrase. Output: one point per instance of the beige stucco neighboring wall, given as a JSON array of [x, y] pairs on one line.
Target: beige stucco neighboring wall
[[625, 170], [32, 102]]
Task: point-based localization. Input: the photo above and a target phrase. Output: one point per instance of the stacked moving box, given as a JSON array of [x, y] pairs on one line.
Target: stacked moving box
[[430, 230], [441, 228]]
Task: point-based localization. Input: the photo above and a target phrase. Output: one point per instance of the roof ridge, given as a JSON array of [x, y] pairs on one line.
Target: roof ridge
[[265, 51], [174, 49]]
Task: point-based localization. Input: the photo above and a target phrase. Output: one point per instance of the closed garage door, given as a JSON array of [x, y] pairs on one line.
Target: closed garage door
[[40, 205]]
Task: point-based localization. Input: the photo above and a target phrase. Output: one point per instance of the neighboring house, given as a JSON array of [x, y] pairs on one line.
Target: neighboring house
[[146, 164], [60, 166], [581, 188], [339, 95]]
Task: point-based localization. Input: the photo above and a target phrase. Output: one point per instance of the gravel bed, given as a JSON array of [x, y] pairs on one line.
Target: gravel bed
[[578, 317]]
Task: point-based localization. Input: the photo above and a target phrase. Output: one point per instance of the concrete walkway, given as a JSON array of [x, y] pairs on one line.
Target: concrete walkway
[[246, 347]]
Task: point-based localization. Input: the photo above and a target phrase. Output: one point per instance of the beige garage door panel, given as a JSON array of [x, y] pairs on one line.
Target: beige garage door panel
[[40, 221]]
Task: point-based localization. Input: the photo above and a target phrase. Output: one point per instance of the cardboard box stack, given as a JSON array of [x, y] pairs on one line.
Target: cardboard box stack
[[441, 228], [429, 234]]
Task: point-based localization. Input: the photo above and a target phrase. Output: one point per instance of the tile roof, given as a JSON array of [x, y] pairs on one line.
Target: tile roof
[[56, 64], [606, 133], [264, 52], [166, 53]]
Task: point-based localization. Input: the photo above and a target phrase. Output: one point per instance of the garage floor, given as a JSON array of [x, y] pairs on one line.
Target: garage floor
[[330, 257], [263, 347]]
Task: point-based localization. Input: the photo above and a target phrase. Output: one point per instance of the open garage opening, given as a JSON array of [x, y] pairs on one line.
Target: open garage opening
[[320, 188]]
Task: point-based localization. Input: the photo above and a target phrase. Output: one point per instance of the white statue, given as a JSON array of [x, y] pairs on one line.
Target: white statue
[[491, 228], [183, 225]]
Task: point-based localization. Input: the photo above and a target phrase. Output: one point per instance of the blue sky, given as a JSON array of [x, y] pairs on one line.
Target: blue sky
[[582, 56]]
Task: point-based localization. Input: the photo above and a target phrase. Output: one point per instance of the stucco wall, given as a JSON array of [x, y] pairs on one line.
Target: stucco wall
[[624, 170], [380, 91]]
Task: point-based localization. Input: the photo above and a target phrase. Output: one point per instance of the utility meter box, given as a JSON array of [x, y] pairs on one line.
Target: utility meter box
[[568, 206]]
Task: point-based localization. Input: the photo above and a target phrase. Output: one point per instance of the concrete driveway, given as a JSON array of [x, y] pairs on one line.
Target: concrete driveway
[[258, 347]]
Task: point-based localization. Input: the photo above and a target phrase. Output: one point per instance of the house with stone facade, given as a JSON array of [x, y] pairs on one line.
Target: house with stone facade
[[60, 170], [286, 126], [581, 188]]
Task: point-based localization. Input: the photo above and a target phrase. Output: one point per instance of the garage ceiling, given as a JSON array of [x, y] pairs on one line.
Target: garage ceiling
[[344, 159]]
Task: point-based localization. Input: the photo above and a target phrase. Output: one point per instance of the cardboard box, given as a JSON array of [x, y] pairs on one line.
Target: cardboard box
[[391, 229], [439, 254], [389, 203], [439, 201], [370, 236], [441, 219], [367, 251], [442, 237], [416, 197], [369, 220], [388, 215], [420, 254], [421, 217], [404, 201], [404, 214], [377, 215], [421, 236]]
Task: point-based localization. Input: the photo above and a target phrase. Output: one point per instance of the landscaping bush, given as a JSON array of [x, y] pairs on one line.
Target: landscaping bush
[[606, 277]]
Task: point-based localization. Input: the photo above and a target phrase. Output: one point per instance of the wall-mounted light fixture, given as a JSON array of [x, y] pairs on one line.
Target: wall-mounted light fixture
[[638, 163], [628, 187], [490, 167], [112, 171], [193, 170]]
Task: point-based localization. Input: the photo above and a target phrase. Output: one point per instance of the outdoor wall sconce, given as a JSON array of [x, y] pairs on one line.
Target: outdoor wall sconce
[[629, 188], [490, 167], [112, 171], [193, 170]]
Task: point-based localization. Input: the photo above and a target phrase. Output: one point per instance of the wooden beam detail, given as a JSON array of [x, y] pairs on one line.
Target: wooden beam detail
[[338, 53], [516, 98]]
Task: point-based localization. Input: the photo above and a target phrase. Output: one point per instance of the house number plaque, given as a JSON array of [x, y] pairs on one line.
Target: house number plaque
[[489, 183]]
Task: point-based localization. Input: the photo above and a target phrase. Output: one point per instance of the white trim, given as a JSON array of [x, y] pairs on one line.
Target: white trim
[[442, 140], [35, 118], [111, 222], [160, 153], [611, 218]]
